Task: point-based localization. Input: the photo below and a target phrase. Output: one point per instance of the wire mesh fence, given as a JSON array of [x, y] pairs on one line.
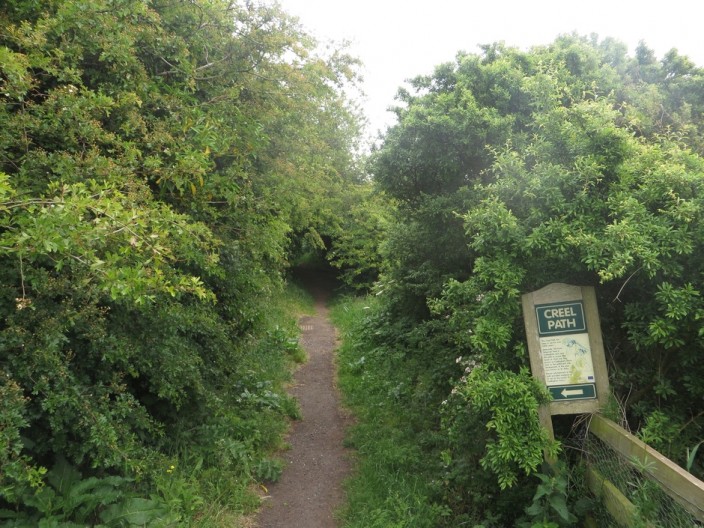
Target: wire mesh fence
[[624, 485]]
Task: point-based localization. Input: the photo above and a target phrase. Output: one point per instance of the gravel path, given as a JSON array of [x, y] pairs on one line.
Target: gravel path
[[310, 489]]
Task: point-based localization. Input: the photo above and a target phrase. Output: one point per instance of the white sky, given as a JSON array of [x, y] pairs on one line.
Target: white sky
[[399, 39]]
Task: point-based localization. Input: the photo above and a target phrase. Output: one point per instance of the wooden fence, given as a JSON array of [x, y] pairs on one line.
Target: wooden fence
[[686, 490]]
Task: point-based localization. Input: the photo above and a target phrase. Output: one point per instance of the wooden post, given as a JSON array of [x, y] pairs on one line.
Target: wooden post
[[573, 315], [616, 503]]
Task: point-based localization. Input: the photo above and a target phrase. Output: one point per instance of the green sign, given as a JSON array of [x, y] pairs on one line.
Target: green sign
[[585, 391], [561, 318], [566, 348]]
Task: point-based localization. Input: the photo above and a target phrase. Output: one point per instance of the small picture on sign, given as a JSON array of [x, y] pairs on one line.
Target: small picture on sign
[[567, 360], [578, 349]]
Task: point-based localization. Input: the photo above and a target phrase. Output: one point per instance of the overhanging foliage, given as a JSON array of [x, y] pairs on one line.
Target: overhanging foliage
[[156, 159], [567, 163]]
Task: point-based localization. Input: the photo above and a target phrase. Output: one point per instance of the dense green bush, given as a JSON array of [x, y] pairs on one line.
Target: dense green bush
[[567, 163], [150, 188]]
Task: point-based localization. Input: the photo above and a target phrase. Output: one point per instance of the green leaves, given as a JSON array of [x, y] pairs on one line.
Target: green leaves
[[511, 401], [156, 160], [15, 80], [126, 251], [139, 512], [550, 501], [356, 246], [69, 500], [569, 163]]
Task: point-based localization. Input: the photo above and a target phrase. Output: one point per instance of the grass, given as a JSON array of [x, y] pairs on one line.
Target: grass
[[231, 498], [390, 487], [295, 300]]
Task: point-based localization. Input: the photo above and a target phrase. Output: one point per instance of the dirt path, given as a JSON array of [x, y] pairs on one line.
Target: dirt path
[[310, 489]]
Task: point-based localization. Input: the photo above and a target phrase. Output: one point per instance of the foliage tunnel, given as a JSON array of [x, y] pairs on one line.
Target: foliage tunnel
[[157, 158]]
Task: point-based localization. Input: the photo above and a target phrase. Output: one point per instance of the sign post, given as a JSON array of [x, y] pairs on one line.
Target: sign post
[[566, 349]]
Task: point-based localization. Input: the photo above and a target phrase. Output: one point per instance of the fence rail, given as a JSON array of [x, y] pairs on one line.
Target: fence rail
[[682, 487]]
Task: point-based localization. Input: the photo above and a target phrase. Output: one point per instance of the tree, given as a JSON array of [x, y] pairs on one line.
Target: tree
[[144, 220], [567, 163]]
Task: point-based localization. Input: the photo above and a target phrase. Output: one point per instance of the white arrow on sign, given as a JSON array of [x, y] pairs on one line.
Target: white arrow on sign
[[567, 393]]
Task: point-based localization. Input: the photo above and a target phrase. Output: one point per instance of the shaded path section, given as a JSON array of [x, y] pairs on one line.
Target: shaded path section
[[310, 489]]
